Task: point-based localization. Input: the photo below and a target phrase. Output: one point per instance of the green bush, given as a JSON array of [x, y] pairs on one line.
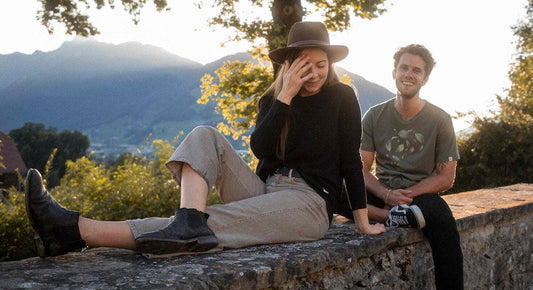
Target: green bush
[[15, 231], [497, 153]]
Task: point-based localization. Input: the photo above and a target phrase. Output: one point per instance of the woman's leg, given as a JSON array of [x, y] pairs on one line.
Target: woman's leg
[[204, 159], [290, 212], [43, 209], [60, 230], [193, 189], [106, 233], [207, 152]]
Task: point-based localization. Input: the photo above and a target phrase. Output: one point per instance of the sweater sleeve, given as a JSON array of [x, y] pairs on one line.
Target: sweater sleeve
[[269, 124], [350, 160]]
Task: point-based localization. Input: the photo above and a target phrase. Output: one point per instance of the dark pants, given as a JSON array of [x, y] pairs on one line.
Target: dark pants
[[441, 231]]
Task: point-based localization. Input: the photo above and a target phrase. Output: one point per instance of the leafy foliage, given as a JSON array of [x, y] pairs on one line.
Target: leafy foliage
[[68, 13], [141, 187], [15, 231], [336, 15], [236, 90], [517, 107], [35, 144], [497, 153], [500, 151]]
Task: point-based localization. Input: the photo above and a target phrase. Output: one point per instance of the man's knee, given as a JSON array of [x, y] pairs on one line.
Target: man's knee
[[436, 212]]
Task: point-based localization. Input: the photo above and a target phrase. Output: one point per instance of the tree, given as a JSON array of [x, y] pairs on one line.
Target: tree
[[500, 150], [272, 33], [35, 144], [67, 12], [237, 86], [518, 106]]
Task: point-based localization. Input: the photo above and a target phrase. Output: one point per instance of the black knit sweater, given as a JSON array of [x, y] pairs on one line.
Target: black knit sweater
[[322, 144]]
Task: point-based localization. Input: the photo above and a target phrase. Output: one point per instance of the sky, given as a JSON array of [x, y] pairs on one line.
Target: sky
[[471, 41]]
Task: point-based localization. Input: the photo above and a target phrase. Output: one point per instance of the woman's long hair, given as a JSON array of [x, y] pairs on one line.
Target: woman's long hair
[[275, 89]]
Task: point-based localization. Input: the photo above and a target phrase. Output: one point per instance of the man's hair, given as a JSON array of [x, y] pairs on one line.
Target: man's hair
[[416, 49]]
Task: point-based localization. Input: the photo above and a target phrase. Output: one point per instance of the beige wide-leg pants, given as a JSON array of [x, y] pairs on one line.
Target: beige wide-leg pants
[[285, 209]]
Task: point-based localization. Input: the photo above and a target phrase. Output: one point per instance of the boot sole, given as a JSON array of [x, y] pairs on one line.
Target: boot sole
[[162, 247]]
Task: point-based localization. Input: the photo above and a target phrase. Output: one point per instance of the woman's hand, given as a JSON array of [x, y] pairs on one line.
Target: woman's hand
[[294, 76], [372, 229], [362, 226]]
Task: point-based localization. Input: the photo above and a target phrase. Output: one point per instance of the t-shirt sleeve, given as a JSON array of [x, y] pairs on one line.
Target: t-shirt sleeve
[[446, 147], [367, 141]]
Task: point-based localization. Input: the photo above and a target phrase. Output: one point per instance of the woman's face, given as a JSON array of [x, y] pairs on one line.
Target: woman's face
[[319, 68]]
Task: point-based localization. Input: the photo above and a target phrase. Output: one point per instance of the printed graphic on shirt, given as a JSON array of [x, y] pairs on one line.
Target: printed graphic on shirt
[[404, 142]]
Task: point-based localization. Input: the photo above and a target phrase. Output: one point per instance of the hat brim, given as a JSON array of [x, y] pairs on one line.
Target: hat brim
[[335, 52]]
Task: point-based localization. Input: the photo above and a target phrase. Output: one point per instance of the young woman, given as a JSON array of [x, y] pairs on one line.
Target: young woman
[[306, 138]]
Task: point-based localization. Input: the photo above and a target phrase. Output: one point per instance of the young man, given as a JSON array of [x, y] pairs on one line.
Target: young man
[[413, 144]]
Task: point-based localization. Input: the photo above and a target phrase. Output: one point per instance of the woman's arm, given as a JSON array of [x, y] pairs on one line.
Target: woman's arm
[[352, 166], [270, 120], [349, 139]]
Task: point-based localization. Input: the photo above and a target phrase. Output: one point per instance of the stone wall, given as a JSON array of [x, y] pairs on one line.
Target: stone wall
[[496, 236]]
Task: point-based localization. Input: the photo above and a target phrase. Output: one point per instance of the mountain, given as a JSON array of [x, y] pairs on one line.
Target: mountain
[[119, 93]]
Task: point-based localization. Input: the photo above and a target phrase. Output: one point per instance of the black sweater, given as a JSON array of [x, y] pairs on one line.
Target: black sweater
[[322, 144]]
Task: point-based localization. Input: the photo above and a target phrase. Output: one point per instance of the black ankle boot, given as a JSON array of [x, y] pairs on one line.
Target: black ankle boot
[[188, 232], [56, 228]]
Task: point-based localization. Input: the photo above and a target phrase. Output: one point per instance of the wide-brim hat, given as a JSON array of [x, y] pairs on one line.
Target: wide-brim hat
[[309, 35]]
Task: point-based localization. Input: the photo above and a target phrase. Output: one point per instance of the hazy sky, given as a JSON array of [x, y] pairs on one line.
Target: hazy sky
[[471, 40]]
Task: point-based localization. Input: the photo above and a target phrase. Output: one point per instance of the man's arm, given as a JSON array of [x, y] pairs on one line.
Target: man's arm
[[371, 182], [440, 182]]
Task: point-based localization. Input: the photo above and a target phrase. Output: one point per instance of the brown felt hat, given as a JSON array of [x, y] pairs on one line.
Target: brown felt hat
[[309, 35]]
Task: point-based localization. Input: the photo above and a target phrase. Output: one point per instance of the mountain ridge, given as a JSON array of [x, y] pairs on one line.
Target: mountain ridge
[[123, 92]]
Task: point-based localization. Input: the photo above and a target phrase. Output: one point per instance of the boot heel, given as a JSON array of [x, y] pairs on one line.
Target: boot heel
[[39, 245]]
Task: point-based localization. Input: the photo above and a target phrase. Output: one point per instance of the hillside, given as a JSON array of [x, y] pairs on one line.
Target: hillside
[[115, 93]]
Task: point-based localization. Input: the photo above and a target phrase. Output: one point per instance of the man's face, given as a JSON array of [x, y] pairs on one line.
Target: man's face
[[410, 75]]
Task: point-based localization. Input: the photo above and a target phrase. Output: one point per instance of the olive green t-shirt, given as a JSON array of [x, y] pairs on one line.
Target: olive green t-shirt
[[408, 151]]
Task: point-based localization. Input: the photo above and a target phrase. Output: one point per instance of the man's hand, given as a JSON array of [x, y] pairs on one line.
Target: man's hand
[[398, 196]]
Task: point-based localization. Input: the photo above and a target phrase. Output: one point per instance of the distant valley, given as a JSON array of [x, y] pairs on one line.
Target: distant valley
[[118, 95]]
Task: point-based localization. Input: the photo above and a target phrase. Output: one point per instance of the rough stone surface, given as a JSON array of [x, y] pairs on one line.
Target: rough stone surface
[[496, 236]]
